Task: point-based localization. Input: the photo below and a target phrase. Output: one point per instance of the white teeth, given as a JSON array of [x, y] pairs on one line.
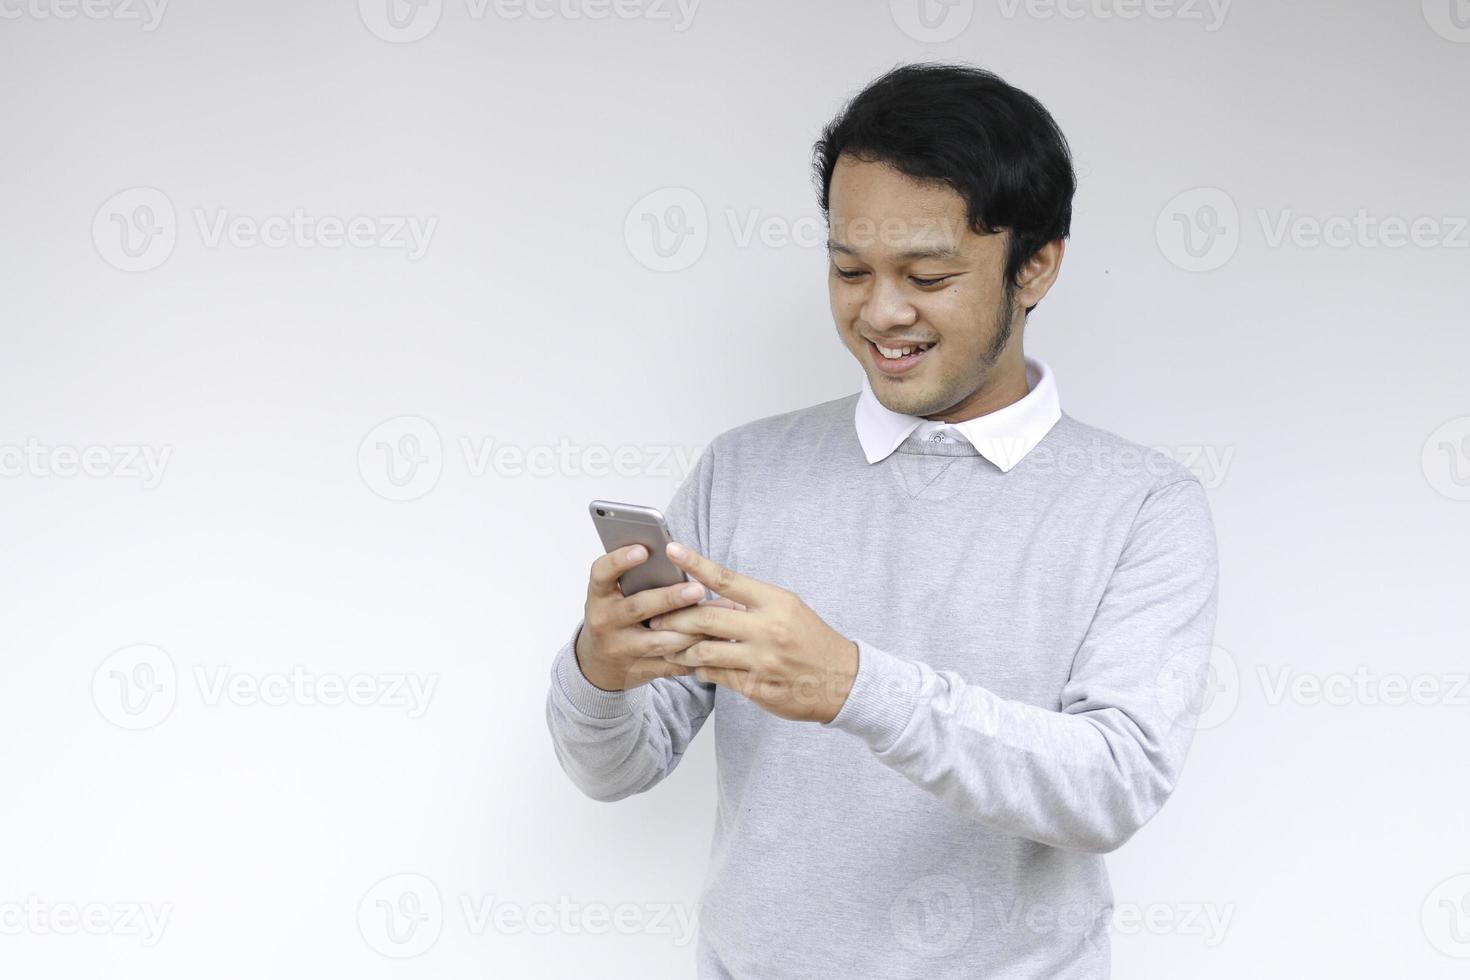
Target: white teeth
[[895, 352]]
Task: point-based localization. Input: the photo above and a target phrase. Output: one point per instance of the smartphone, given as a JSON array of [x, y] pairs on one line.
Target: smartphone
[[619, 525]]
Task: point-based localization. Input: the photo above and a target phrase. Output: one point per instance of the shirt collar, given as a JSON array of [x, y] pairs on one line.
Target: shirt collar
[[1003, 436]]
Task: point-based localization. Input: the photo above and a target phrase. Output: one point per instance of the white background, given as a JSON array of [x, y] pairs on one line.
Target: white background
[[1326, 382]]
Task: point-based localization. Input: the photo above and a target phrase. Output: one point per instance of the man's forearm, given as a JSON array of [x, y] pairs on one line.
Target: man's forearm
[[613, 744]]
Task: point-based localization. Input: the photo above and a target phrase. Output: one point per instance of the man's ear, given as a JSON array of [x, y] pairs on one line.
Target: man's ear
[[1035, 277]]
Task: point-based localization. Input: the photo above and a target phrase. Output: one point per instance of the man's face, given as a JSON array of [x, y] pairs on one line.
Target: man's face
[[906, 269]]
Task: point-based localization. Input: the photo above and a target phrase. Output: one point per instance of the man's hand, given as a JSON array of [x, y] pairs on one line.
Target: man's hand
[[784, 657], [614, 650]]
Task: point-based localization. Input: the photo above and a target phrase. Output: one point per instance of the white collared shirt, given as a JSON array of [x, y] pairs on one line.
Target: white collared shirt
[[1003, 436]]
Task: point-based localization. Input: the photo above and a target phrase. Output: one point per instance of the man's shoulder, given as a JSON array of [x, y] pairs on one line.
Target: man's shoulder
[[810, 427], [1081, 449]]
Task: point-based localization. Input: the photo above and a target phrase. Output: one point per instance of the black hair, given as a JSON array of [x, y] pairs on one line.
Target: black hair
[[994, 144]]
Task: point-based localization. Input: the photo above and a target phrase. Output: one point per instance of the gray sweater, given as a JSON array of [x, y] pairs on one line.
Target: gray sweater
[[1032, 652]]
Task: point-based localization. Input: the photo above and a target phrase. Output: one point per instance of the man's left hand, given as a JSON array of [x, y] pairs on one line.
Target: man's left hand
[[785, 658]]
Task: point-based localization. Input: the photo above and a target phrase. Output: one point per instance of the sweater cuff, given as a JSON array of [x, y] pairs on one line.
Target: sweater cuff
[[884, 696], [587, 697]]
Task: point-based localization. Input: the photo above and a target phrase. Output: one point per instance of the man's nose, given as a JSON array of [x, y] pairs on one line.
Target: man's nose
[[886, 306]]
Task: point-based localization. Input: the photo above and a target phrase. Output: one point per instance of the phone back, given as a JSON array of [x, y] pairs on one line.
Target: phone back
[[620, 525]]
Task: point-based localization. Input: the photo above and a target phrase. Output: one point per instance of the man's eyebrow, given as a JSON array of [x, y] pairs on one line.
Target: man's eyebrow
[[912, 255]]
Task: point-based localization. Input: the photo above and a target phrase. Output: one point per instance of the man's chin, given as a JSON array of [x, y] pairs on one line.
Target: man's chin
[[907, 396]]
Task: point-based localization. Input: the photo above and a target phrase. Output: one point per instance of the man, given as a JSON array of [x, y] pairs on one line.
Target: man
[[961, 636]]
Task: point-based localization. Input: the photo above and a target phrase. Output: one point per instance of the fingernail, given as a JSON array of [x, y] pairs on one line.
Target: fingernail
[[635, 553], [653, 623], [692, 591], [676, 550]]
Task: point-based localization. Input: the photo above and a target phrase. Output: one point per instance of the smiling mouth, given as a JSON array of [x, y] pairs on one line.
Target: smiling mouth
[[899, 360]]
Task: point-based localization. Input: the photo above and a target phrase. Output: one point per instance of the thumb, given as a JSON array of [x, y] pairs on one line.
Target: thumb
[[723, 602]]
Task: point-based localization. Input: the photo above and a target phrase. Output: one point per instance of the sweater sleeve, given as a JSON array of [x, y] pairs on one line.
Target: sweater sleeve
[[613, 744], [1088, 776]]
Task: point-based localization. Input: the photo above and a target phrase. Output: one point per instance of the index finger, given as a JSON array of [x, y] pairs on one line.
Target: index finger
[[603, 581], [724, 581]]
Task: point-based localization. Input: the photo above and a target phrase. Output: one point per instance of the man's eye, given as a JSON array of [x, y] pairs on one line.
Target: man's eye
[[854, 274]]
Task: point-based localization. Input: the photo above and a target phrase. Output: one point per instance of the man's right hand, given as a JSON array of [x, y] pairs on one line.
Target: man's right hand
[[615, 651]]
